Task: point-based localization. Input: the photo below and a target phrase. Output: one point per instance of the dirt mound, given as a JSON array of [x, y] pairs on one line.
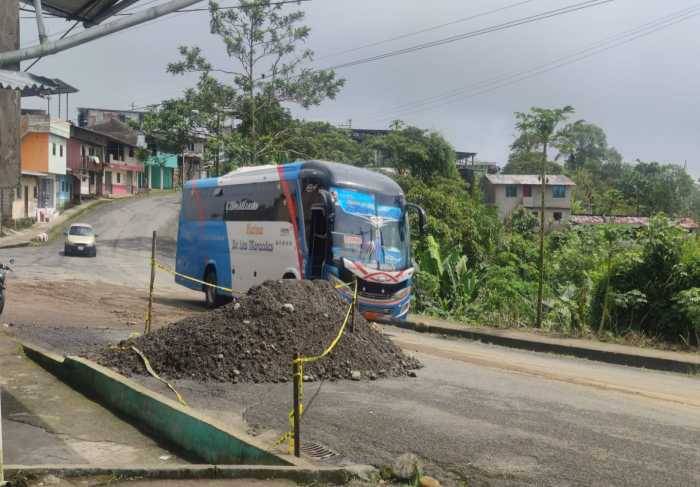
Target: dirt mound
[[254, 339]]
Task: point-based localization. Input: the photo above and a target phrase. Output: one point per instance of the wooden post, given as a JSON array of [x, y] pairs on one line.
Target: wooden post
[[149, 313], [354, 305], [296, 369], [2, 465], [9, 102]]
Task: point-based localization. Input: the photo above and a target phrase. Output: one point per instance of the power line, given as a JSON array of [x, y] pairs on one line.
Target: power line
[[487, 30], [509, 79], [427, 29], [62, 37]]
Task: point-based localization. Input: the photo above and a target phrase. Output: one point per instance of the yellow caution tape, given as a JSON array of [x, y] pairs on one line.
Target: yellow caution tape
[[189, 278], [153, 373], [300, 375], [302, 360]]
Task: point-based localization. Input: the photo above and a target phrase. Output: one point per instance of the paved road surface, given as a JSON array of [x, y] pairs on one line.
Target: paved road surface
[[484, 414], [124, 227]]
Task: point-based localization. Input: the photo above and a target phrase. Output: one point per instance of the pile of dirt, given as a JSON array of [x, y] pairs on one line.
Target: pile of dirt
[[255, 338]]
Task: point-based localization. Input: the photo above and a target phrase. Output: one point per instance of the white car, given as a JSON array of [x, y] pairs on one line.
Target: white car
[[80, 239]]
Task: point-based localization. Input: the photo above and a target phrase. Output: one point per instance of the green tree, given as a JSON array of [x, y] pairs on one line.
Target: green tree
[[264, 46], [584, 145], [539, 128], [411, 150]]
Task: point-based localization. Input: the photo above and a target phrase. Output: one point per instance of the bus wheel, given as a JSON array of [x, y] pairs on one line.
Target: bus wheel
[[210, 294], [289, 275]]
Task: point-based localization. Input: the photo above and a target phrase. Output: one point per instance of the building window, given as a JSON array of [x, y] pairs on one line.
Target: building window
[[92, 178], [511, 191], [19, 193], [119, 177], [63, 185], [82, 150], [557, 216], [536, 214], [53, 149], [190, 147], [91, 151], [36, 192], [61, 150], [527, 191], [131, 152], [558, 191]]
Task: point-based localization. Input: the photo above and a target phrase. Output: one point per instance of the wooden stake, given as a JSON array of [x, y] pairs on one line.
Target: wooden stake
[[149, 314], [297, 416]]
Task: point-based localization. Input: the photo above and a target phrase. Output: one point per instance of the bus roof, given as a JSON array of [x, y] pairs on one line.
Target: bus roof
[[332, 173]]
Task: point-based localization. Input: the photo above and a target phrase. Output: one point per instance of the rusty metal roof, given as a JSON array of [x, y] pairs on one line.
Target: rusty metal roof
[[32, 85]]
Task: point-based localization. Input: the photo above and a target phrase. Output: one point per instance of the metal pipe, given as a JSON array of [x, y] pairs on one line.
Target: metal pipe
[[40, 21], [53, 47]]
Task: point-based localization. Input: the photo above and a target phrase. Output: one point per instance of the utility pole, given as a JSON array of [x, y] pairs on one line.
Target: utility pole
[[540, 286], [9, 106]]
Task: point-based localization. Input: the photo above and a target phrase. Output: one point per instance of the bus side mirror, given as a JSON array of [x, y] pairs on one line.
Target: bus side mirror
[[422, 216]]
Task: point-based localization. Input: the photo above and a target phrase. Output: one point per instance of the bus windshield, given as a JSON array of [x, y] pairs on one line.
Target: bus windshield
[[370, 229]]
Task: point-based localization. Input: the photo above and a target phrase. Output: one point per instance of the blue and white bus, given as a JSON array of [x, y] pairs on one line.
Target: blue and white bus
[[303, 220]]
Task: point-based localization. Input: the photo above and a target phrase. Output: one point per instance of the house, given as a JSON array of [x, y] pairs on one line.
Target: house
[[192, 160], [89, 117], [86, 162], [510, 191], [472, 170], [161, 169], [123, 171], [45, 188]]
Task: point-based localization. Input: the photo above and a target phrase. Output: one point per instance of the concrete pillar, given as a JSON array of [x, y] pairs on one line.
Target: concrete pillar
[[9, 102]]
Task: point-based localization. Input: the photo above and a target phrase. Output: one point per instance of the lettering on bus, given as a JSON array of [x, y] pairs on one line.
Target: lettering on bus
[[252, 245], [242, 205]]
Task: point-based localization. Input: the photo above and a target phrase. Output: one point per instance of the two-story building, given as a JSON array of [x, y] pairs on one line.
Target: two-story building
[[45, 187], [510, 191], [123, 171], [86, 162]]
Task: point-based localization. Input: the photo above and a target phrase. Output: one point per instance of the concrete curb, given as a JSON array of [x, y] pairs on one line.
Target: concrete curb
[[330, 475], [204, 438], [599, 355], [16, 245]]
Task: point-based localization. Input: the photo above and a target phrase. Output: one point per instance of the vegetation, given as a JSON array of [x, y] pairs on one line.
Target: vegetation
[[604, 280]]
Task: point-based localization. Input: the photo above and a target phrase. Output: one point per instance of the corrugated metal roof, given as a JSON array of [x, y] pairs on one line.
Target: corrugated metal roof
[[532, 179], [32, 85], [90, 11]]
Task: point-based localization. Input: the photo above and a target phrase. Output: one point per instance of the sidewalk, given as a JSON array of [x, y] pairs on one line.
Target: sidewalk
[[24, 237], [648, 358]]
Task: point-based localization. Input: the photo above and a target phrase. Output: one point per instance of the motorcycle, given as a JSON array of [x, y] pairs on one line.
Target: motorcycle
[[4, 269]]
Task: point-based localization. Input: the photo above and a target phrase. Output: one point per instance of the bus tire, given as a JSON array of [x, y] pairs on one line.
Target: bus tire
[[211, 297]]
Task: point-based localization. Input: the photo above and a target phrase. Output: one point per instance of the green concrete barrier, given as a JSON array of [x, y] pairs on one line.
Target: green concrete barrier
[[181, 426]]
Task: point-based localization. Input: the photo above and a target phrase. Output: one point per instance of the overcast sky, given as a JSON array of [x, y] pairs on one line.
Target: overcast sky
[[645, 93]]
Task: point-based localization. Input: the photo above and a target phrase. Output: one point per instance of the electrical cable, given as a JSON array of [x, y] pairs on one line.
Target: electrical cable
[[62, 36], [427, 29], [508, 79], [486, 30]]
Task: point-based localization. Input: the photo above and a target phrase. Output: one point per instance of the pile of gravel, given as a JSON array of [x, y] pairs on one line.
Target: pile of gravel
[[255, 338]]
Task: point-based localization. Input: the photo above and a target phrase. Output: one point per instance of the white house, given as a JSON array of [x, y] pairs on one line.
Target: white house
[[510, 191]]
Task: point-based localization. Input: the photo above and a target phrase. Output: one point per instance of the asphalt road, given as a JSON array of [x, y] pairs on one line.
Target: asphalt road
[[476, 413], [124, 229]]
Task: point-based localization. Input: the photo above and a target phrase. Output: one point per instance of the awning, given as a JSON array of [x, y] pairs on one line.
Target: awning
[[32, 85], [34, 173]]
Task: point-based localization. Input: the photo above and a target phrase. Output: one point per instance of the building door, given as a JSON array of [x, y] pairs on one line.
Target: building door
[[26, 201], [46, 196], [108, 182], [129, 181]]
